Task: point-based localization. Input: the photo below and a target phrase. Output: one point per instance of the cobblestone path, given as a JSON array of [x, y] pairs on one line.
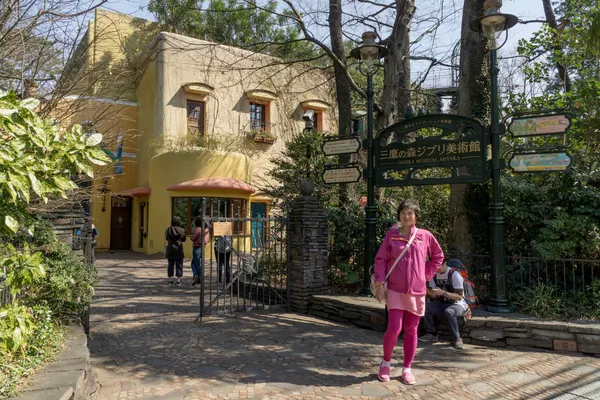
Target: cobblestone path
[[145, 344]]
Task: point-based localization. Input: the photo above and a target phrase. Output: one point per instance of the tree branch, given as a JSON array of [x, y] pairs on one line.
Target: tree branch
[[533, 21], [326, 49]]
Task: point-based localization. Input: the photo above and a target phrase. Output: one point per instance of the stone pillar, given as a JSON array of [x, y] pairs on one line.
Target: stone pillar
[[308, 238]]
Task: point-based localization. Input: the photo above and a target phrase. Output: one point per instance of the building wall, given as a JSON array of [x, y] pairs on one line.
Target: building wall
[[169, 169], [233, 73], [116, 42], [149, 107], [111, 118]]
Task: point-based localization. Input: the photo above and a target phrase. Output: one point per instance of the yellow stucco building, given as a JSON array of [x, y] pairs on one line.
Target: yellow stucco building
[[194, 120]]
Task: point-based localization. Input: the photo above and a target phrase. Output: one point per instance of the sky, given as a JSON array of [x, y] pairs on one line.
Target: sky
[[446, 36]]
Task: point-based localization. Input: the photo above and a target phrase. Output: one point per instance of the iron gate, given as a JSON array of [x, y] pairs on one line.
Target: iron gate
[[245, 265]]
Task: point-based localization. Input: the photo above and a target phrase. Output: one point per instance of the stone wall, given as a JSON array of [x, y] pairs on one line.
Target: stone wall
[[359, 311], [484, 328], [68, 377]]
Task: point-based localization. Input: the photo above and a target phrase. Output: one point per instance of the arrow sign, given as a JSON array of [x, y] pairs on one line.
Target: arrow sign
[[341, 146], [540, 162], [350, 174], [556, 124]]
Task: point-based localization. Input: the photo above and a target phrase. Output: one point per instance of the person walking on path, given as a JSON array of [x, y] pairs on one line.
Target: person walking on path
[[197, 248], [175, 236], [401, 272]]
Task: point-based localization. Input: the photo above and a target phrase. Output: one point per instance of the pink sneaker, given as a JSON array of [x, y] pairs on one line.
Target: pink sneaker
[[408, 378], [384, 372]]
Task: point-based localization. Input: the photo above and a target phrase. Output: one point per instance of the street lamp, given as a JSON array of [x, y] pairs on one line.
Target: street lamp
[[368, 55], [492, 25]]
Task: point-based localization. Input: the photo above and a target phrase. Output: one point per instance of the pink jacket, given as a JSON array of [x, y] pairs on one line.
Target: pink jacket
[[412, 271]]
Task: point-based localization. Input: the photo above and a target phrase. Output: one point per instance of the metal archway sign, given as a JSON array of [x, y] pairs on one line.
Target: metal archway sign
[[431, 150]]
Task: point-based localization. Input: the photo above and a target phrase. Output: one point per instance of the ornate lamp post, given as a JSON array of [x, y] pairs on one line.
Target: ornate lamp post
[[492, 25], [368, 55]]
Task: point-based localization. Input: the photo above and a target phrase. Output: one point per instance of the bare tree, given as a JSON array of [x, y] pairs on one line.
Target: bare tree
[[472, 75], [396, 92], [342, 85], [36, 39]]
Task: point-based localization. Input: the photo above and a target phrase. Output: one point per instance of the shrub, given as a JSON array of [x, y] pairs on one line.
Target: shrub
[[41, 344], [16, 327], [69, 285], [347, 244], [63, 281], [540, 300]]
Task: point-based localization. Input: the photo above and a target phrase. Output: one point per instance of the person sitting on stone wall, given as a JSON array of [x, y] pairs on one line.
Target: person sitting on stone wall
[[445, 297]]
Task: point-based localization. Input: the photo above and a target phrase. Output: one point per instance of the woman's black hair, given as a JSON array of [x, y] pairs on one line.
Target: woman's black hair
[[198, 221], [175, 221], [411, 205]]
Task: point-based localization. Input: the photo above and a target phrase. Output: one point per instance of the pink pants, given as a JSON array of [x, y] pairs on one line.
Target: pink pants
[[390, 338]]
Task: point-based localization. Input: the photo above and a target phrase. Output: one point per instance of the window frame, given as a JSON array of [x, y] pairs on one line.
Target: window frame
[[211, 203], [265, 122], [318, 119], [190, 124]]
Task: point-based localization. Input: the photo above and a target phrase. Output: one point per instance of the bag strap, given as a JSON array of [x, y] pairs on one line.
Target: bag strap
[[410, 242]]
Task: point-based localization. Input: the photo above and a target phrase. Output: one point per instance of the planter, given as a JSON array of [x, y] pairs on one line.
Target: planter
[[258, 138]]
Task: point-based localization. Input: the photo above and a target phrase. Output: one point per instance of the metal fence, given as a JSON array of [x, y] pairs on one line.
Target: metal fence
[[253, 274], [5, 297], [568, 277]]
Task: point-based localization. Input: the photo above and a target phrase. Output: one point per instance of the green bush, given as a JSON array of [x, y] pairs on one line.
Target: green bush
[[541, 300], [347, 244], [553, 216], [40, 342], [69, 286], [16, 327]]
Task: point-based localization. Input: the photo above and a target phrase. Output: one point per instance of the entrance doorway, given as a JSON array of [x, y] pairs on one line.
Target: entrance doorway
[[120, 223]]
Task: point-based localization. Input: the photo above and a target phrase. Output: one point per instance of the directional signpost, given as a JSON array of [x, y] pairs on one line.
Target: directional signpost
[[342, 174], [336, 146], [339, 145], [540, 125], [534, 158], [540, 162]]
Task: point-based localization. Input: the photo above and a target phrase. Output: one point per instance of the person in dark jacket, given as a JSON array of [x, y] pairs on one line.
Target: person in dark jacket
[[223, 252], [175, 236]]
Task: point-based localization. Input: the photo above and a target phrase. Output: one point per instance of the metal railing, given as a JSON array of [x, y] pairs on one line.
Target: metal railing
[[5, 296], [568, 277], [248, 271], [260, 126]]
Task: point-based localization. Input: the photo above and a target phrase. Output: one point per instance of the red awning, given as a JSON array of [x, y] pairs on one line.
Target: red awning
[[213, 183], [135, 192]]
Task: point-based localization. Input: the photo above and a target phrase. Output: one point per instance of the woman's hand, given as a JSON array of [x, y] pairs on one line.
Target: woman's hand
[[380, 292], [436, 292]]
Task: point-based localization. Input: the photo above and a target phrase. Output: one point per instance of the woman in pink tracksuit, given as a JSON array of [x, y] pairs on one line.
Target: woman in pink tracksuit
[[406, 286]]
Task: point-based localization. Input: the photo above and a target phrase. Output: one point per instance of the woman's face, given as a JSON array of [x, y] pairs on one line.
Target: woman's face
[[408, 217]]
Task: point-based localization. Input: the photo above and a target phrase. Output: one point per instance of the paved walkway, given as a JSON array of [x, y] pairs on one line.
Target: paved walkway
[[145, 344]]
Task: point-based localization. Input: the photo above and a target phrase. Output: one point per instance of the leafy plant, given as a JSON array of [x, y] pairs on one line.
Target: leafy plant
[[42, 344], [16, 326], [540, 300], [23, 268], [36, 157], [69, 285]]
